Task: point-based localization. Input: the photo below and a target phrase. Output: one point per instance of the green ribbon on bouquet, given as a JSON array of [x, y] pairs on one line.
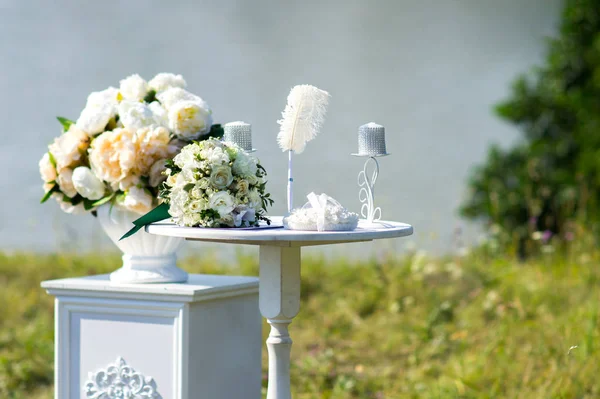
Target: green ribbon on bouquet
[[157, 214]]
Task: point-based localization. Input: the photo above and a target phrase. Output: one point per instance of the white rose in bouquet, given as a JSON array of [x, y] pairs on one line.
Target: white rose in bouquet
[[87, 184], [134, 88], [165, 81]]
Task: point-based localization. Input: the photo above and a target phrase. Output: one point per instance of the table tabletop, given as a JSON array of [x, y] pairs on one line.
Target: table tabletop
[[283, 237]]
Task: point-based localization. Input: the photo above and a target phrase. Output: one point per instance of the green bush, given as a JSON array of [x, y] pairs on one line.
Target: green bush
[[550, 181]]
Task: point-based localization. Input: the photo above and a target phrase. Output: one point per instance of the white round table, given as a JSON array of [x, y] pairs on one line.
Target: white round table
[[279, 283]]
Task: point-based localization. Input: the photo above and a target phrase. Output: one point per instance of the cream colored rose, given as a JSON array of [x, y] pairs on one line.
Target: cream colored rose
[[68, 148], [189, 120], [227, 220], [134, 88], [65, 182], [221, 202], [151, 145], [242, 187], [157, 173], [47, 170], [164, 81], [87, 184], [138, 200], [221, 177], [113, 157], [191, 219], [197, 205]]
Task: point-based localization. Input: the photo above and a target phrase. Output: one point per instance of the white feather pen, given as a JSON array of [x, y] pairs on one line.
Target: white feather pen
[[301, 121]]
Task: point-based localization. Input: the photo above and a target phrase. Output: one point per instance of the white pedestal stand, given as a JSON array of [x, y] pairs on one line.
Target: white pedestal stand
[[200, 339], [280, 261]]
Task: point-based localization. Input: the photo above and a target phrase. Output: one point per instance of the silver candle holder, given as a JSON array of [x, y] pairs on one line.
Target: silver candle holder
[[239, 133], [371, 144]]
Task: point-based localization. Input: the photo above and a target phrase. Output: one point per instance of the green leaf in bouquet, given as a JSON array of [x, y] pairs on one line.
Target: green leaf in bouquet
[[150, 96], [66, 123], [188, 186], [103, 201], [157, 214], [88, 204], [216, 131], [52, 159], [49, 193]]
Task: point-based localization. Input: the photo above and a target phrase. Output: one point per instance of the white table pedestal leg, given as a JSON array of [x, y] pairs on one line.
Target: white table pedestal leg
[[279, 299]]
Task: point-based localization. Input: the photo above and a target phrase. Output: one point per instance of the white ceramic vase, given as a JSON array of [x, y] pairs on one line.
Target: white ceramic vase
[[147, 258]]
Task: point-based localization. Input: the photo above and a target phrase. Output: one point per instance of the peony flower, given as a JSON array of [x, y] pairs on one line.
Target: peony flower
[[222, 202], [67, 149], [113, 158], [138, 200], [134, 88], [157, 175], [94, 119], [105, 98], [65, 182], [221, 177], [159, 114], [164, 81], [135, 115], [151, 145], [47, 170], [190, 119], [170, 97], [87, 184], [67, 207], [244, 165]]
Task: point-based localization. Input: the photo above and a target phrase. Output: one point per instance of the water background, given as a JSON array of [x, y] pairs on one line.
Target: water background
[[429, 71]]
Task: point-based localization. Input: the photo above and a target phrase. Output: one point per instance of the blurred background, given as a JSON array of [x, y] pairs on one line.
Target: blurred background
[[429, 71]]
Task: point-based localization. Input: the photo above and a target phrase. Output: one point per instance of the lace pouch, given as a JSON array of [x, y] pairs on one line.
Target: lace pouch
[[321, 213]]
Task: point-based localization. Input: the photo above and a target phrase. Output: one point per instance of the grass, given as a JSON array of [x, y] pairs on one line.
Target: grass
[[476, 326]]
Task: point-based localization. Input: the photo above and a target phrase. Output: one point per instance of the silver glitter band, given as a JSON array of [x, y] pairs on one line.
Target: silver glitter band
[[371, 140], [239, 133]]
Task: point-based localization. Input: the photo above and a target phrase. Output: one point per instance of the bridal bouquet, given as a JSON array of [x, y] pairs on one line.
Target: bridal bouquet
[[215, 184], [117, 149]]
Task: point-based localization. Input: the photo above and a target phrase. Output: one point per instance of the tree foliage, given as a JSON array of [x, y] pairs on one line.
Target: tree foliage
[[551, 178]]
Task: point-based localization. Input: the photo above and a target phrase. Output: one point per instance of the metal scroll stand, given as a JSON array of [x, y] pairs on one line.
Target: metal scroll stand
[[366, 194]]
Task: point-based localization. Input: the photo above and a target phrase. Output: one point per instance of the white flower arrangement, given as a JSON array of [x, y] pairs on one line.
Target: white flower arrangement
[[215, 184], [117, 149]]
